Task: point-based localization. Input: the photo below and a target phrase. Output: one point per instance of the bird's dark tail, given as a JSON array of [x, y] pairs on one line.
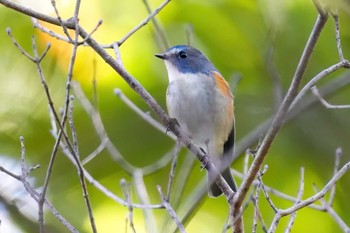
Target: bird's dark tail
[[215, 191]]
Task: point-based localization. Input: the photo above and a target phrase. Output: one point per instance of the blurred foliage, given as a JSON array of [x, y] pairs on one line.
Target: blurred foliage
[[235, 35]]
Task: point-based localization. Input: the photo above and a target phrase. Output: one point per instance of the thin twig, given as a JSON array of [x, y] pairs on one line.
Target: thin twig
[[267, 196], [23, 163], [160, 33], [72, 126], [60, 21], [275, 192], [160, 163], [312, 199], [99, 23], [117, 54], [338, 155], [9, 33], [272, 70], [257, 212], [94, 83], [189, 34], [324, 73], [93, 154], [172, 171], [145, 116], [32, 192], [102, 188], [100, 130], [325, 103], [326, 90], [143, 23], [255, 201], [127, 194], [142, 194], [246, 161], [337, 36], [329, 209], [299, 197], [48, 31], [171, 211], [186, 169], [65, 113]]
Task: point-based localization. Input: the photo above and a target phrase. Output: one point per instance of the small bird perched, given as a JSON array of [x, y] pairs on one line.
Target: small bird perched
[[199, 98]]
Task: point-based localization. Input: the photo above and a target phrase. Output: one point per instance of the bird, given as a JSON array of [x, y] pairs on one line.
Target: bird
[[200, 100]]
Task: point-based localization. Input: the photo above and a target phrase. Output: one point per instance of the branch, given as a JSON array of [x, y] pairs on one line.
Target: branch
[[312, 199], [299, 196], [144, 115], [142, 194], [281, 114], [324, 102], [32, 192], [127, 194], [144, 22], [171, 211], [329, 209], [172, 171], [318, 77]]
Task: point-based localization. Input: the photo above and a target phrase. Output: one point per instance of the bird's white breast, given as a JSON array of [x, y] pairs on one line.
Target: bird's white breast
[[193, 101]]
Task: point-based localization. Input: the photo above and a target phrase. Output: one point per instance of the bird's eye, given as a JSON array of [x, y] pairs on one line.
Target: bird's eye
[[183, 54]]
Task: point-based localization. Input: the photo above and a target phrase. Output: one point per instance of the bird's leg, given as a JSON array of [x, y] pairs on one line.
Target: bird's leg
[[205, 152], [171, 123]]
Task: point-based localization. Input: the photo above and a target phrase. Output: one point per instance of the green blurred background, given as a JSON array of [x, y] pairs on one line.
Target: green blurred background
[[236, 36]]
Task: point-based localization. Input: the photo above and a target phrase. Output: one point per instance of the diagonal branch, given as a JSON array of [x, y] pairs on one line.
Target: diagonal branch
[[281, 113]]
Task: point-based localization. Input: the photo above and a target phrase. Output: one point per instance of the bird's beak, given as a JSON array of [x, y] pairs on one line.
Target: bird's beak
[[161, 56]]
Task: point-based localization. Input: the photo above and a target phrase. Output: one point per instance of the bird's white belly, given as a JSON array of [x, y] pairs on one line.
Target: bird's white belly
[[191, 102]]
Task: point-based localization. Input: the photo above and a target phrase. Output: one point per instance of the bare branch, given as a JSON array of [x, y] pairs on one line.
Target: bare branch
[[48, 31], [60, 21], [265, 191], [329, 209], [171, 211], [117, 54], [9, 33], [172, 171], [144, 22], [100, 130], [324, 102], [338, 155], [272, 70], [326, 90], [160, 32], [32, 192], [310, 200], [318, 77], [72, 126], [256, 208], [299, 197], [145, 116], [189, 34], [337, 36], [281, 113], [127, 193], [246, 161], [257, 212], [160, 163], [275, 192], [141, 192], [102, 188]]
